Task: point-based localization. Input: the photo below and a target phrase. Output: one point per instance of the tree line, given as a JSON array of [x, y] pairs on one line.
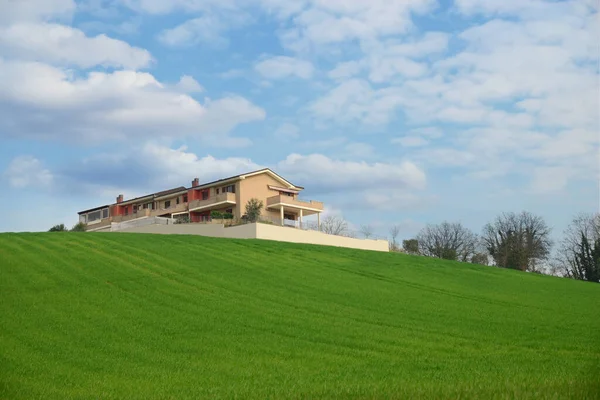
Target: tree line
[[518, 241]]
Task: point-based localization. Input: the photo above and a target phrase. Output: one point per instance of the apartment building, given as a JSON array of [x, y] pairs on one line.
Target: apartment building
[[228, 195]]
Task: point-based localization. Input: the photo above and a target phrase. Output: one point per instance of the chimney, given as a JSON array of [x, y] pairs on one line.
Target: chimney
[[195, 182], [120, 198]]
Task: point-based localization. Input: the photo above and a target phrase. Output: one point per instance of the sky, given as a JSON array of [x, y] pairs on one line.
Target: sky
[[392, 112]]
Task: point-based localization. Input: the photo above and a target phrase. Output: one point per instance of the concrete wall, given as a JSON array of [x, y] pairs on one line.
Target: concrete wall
[[287, 234], [262, 231]]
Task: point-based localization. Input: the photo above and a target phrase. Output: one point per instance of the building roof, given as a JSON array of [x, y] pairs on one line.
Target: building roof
[[241, 176], [93, 209]]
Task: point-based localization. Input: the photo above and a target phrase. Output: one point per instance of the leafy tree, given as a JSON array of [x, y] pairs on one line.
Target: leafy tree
[[411, 246], [79, 227], [579, 252], [450, 241], [253, 209], [517, 241], [58, 228], [334, 225], [480, 258]]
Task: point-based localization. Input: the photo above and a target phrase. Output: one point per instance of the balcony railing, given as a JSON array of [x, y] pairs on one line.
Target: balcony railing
[[271, 201], [218, 199]]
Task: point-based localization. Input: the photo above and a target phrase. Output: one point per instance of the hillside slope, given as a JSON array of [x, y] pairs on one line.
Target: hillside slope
[[132, 316]]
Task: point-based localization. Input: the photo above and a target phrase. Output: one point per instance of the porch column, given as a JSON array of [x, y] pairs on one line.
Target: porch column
[[318, 221], [281, 213], [300, 218]]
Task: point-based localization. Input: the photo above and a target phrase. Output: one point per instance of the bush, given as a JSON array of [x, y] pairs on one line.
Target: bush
[[216, 215], [411, 246], [79, 227], [227, 216], [185, 219], [58, 228]]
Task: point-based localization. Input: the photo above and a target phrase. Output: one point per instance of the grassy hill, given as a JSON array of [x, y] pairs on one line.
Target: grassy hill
[[132, 316]]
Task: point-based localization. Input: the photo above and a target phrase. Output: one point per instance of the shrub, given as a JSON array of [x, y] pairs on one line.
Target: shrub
[[58, 228], [216, 214], [227, 215], [79, 227]]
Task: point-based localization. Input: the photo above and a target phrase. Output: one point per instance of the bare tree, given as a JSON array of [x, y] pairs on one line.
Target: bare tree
[[579, 253], [394, 232], [366, 230], [334, 225], [518, 241], [447, 240]]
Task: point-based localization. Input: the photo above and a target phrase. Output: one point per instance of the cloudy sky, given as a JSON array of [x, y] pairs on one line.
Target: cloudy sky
[[390, 111]]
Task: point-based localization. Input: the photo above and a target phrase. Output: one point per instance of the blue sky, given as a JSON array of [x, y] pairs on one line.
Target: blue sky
[[391, 112]]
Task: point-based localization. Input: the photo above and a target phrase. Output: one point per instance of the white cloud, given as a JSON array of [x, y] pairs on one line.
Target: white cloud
[[345, 70], [188, 84], [280, 67], [63, 45], [208, 30], [39, 101], [355, 101], [287, 131], [35, 10], [329, 175], [330, 22], [26, 170]]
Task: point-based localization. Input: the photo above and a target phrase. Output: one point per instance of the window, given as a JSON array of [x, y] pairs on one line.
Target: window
[[205, 195], [145, 206], [167, 203], [105, 213], [94, 215], [177, 200], [126, 210], [289, 216], [229, 210], [286, 194], [217, 190], [229, 189], [185, 199]]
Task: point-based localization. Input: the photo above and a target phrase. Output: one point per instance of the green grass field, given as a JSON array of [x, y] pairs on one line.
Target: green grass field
[[131, 316]]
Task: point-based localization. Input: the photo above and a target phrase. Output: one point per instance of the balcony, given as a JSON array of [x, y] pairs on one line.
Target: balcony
[[173, 209], [289, 202], [222, 199]]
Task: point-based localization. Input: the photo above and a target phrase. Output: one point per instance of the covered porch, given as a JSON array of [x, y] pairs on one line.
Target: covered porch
[[291, 209]]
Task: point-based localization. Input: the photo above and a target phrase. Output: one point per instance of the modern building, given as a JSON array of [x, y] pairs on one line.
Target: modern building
[[229, 195]]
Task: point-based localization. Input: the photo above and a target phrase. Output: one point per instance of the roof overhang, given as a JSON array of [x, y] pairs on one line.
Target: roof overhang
[[170, 195], [275, 176], [136, 200], [216, 183], [93, 209], [282, 189]]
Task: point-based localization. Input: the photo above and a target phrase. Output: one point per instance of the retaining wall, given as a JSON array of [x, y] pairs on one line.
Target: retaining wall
[[262, 231]]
